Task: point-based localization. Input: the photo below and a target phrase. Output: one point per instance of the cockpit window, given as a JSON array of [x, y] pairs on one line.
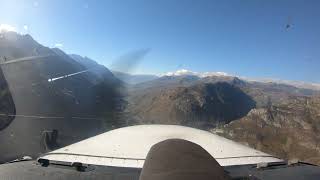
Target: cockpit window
[[245, 71]]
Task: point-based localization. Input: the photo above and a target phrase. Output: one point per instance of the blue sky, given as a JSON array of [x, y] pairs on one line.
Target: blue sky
[[241, 37]]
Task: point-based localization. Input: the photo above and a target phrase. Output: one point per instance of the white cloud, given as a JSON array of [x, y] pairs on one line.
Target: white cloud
[[182, 72], [58, 45], [25, 27], [6, 28]]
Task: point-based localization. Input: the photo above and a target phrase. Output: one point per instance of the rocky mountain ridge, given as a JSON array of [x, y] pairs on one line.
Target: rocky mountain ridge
[[290, 130]]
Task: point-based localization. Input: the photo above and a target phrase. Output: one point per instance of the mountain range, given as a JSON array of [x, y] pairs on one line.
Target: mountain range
[[167, 94], [289, 130], [276, 118], [44, 89]]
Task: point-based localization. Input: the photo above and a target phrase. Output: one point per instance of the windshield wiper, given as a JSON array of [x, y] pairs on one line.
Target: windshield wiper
[[78, 166], [24, 158]]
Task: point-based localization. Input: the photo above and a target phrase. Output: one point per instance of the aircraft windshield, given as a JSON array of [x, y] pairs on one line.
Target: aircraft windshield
[[244, 72]]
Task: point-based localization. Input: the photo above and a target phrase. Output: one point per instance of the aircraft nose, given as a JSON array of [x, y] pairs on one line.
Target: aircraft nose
[[177, 159]]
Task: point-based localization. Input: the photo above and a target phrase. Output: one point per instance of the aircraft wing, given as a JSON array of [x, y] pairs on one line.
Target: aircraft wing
[[129, 146]]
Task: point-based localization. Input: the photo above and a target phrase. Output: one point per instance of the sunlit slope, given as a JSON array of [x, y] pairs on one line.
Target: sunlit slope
[[282, 120], [203, 102], [290, 129], [200, 105]]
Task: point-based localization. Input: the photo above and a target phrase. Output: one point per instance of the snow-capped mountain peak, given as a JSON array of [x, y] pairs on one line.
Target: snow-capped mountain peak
[[184, 72]]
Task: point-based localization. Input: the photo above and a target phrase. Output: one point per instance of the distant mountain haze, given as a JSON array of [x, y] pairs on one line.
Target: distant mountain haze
[[298, 84], [96, 69], [134, 78], [125, 77]]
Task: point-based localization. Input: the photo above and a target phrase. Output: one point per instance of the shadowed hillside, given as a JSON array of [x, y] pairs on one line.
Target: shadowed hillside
[[54, 96], [6, 103]]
